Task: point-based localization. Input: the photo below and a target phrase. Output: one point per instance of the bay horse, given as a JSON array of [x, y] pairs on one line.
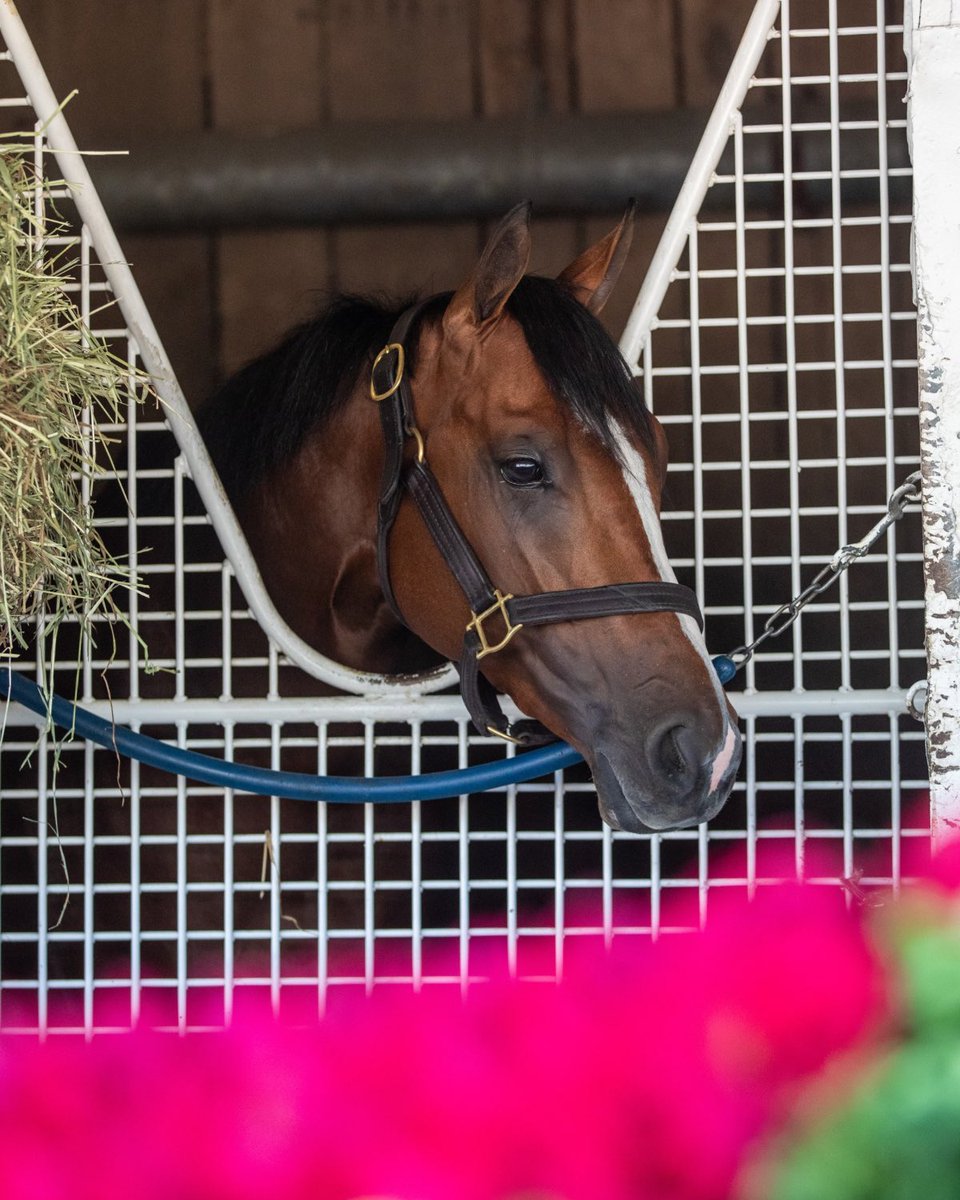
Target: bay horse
[[513, 403]]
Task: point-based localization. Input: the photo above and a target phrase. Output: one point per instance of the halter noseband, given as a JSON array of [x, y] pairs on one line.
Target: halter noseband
[[390, 387]]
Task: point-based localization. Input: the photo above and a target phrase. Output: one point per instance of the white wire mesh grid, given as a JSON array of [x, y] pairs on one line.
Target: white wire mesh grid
[[782, 365]]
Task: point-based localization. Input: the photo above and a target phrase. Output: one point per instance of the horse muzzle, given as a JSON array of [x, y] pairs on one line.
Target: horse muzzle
[[675, 778]]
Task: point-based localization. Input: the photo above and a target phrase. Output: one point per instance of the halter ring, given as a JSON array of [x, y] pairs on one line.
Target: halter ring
[[414, 432], [388, 349]]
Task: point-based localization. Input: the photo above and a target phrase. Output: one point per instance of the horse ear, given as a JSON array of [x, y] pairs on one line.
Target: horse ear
[[593, 275], [479, 303]]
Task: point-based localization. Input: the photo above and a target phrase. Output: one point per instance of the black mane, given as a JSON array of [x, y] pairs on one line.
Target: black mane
[[261, 417]]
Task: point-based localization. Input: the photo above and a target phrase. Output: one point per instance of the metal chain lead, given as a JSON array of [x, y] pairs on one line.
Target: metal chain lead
[[779, 622]]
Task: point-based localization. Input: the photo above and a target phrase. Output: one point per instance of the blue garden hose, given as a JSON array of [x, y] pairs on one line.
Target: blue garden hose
[[263, 781]]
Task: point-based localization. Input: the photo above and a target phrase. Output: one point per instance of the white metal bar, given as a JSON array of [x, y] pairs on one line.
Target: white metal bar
[[179, 616], [181, 890], [133, 545], [847, 793], [369, 898], [295, 710], [793, 436], [836, 243], [743, 381], [703, 873], [751, 803], [799, 810], [88, 428], [511, 880], [274, 867], [790, 337], [88, 911], [416, 864], [896, 796], [886, 334], [228, 888], [696, 414], [226, 635], [656, 884], [463, 864], [323, 849], [135, 916], [43, 899], [559, 874]]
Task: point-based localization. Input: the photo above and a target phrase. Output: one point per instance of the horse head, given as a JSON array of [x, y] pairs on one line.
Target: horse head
[[513, 457], [553, 468]]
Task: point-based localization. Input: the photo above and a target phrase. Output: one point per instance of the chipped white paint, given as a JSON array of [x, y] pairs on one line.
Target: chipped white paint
[[933, 38]]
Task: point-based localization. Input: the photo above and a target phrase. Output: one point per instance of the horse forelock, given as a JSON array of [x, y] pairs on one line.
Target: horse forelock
[[580, 362], [261, 417]]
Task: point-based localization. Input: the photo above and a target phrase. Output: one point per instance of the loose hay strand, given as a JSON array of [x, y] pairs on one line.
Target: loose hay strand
[[58, 382]]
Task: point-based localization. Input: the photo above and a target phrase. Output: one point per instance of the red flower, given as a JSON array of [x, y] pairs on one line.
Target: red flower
[[648, 1074]]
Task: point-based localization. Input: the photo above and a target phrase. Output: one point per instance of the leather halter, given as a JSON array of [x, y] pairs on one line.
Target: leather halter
[[390, 387]]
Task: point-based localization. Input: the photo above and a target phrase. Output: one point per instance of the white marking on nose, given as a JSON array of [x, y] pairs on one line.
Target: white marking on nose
[[723, 759], [635, 474]]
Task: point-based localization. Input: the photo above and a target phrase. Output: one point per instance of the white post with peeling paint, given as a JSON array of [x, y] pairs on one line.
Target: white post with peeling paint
[[932, 33]]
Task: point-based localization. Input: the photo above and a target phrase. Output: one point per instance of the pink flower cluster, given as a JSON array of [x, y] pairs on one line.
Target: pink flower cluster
[[648, 1074]]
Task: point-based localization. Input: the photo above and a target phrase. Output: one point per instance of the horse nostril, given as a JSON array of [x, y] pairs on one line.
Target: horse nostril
[[676, 753]]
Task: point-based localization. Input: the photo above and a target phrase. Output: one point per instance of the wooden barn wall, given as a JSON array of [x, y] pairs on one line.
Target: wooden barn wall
[[162, 66]]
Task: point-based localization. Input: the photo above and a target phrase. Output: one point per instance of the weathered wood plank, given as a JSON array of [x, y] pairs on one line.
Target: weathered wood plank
[[525, 57], [265, 74], [526, 68], [400, 58], [138, 67], [398, 261], [264, 63], [173, 274], [410, 58], [625, 60], [270, 280], [625, 54]]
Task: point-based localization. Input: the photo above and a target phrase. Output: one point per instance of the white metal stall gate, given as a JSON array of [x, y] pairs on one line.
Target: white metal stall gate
[[776, 340]]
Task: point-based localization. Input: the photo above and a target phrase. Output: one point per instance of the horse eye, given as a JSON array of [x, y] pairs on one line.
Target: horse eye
[[521, 471]]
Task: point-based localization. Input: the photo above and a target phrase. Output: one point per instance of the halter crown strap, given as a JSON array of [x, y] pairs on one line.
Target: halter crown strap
[[495, 617], [390, 389]]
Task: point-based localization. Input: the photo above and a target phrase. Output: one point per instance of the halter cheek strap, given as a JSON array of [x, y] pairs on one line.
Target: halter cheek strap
[[496, 617], [389, 388]]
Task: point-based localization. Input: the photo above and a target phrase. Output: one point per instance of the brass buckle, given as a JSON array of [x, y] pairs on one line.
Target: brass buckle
[[500, 733], [499, 605], [388, 349]]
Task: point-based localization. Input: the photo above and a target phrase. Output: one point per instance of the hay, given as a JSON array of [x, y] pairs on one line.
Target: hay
[[57, 383]]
